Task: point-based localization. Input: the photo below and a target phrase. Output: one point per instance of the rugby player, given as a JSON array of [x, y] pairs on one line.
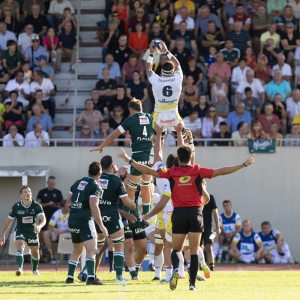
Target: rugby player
[[277, 248], [186, 183], [83, 200], [230, 225], [139, 125], [26, 212], [247, 246]]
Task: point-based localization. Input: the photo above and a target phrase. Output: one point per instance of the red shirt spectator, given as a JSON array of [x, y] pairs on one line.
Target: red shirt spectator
[[219, 67], [129, 67], [140, 17], [268, 117], [138, 41]]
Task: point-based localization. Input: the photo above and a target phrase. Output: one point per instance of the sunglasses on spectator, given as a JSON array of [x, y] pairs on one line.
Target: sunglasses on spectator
[[289, 27], [35, 41], [212, 111]]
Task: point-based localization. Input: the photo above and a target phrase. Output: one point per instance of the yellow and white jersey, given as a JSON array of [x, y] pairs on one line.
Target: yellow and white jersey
[[163, 184], [155, 199], [167, 212], [166, 91], [59, 220]]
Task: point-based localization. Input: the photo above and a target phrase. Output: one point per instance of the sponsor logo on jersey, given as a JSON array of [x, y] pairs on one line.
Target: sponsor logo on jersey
[[104, 202], [106, 218], [228, 228], [167, 121], [139, 230], [21, 212], [82, 185], [245, 247], [164, 169], [103, 183], [74, 230], [27, 220], [184, 179], [144, 120], [33, 241], [76, 205]]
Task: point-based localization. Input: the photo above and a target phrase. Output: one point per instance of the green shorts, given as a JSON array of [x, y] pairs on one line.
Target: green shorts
[[142, 158], [137, 233], [82, 232], [30, 237], [112, 222]]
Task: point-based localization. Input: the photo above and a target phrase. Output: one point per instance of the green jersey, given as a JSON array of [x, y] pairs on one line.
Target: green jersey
[[81, 192], [140, 129], [113, 189], [136, 211], [26, 215]]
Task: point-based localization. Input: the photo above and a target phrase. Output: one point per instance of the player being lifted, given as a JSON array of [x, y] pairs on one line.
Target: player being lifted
[[27, 231], [139, 125]]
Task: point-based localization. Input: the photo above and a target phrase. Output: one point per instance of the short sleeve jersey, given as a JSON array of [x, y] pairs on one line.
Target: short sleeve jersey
[[163, 184], [166, 91], [229, 223], [59, 220], [26, 215], [186, 184], [247, 244], [140, 128], [81, 191], [207, 213], [269, 241], [113, 189]]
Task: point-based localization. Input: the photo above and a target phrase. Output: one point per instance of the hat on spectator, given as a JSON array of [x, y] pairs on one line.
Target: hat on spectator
[[35, 37], [263, 58], [42, 57]]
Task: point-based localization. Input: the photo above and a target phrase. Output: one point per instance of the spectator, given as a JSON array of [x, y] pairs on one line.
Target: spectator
[[10, 21], [38, 96], [195, 72], [286, 70], [5, 36], [253, 7], [38, 137], [237, 116], [39, 22], [253, 105], [121, 51], [193, 122], [228, 11], [250, 59], [222, 134], [47, 71], [27, 71], [239, 74], [13, 110], [164, 5], [142, 18], [156, 33], [262, 70], [46, 85], [183, 106], [278, 85], [90, 116], [219, 67], [98, 104], [50, 42], [4, 77], [120, 100], [286, 17], [67, 46], [120, 23], [217, 86], [113, 67], [157, 67], [293, 135], [240, 16], [67, 17], [11, 58], [191, 91], [293, 105], [280, 112], [86, 134], [270, 34], [209, 60], [164, 20], [138, 41], [276, 8], [239, 37], [212, 37], [257, 131], [33, 52], [231, 54], [202, 107], [273, 133], [222, 104], [297, 120], [241, 133], [214, 7], [296, 8], [13, 135], [268, 117], [136, 88], [183, 16], [50, 199], [123, 9], [25, 39], [22, 87], [255, 85], [202, 20], [260, 24], [210, 123], [110, 38], [188, 5], [187, 36], [131, 66], [271, 52], [104, 132], [13, 5], [41, 118], [56, 12], [117, 117], [27, 7]]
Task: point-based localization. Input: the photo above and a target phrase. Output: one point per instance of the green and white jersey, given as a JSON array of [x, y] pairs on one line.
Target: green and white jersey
[[113, 189], [81, 192], [140, 129], [26, 215]]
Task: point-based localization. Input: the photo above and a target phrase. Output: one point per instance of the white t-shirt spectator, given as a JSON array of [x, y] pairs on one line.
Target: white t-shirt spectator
[[12, 85], [189, 22], [255, 86], [292, 107], [6, 37], [25, 41], [38, 142], [297, 71], [192, 126], [286, 70], [236, 136], [46, 86], [56, 7], [238, 75], [11, 143]]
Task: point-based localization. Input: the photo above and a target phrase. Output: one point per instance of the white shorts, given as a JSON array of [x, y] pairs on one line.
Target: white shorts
[[168, 237], [150, 229], [167, 119], [54, 237], [275, 253]]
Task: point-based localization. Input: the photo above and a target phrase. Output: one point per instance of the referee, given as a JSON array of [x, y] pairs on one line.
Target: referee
[[186, 185]]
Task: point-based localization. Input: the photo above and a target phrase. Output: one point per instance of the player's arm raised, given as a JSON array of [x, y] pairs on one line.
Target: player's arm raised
[[171, 57], [149, 63], [232, 169], [5, 227], [158, 144], [114, 135]]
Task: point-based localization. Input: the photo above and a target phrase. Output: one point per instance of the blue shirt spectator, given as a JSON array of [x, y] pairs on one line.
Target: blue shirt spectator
[[114, 68], [278, 85], [235, 117], [68, 40], [36, 49], [44, 119]]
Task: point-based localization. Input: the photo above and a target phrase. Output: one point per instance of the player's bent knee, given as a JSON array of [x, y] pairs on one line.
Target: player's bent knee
[[145, 183], [133, 184], [158, 239], [119, 240]]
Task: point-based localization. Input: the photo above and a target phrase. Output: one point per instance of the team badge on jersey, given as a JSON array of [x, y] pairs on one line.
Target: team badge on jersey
[[82, 185], [144, 120], [184, 179], [103, 183]]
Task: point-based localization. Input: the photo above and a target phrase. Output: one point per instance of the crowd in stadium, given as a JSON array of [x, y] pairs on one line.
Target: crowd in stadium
[[246, 86]]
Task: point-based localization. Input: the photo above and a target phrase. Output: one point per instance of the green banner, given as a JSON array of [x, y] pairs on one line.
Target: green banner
[[262, 146]]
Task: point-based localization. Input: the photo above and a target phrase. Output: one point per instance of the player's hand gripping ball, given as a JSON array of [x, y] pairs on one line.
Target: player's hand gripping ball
[[157, 46]]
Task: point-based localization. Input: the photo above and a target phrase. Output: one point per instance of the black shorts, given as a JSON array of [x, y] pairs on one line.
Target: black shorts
[[187, 219], [134, 233], [205, 240]]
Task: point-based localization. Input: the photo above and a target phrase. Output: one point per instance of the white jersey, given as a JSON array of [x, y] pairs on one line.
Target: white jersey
[[167, 211], [59, 220], [162, 184], [166, 91]]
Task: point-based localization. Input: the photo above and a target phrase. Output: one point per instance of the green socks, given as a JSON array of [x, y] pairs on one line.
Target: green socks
[[132, 271], [34, 262], [90, 266], [119, 261], [137, 267], [72, 268], [146, 208], [20, 259]]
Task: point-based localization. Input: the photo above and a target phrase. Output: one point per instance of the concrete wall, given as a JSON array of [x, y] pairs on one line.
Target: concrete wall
[[267, 190]]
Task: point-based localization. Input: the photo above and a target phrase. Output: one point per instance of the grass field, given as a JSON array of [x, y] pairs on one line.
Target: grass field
[[222, 285]]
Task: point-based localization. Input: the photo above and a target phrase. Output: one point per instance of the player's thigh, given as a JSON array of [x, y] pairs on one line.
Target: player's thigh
[[134, 178], [178, 241], [91, 247], [118, 240], [34, 250], [78, 248], [150, 236], [194, 241], [140, 245], [47, 234], [146, 177]]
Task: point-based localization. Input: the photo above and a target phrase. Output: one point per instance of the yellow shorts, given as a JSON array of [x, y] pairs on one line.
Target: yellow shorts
[[169, 226]]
